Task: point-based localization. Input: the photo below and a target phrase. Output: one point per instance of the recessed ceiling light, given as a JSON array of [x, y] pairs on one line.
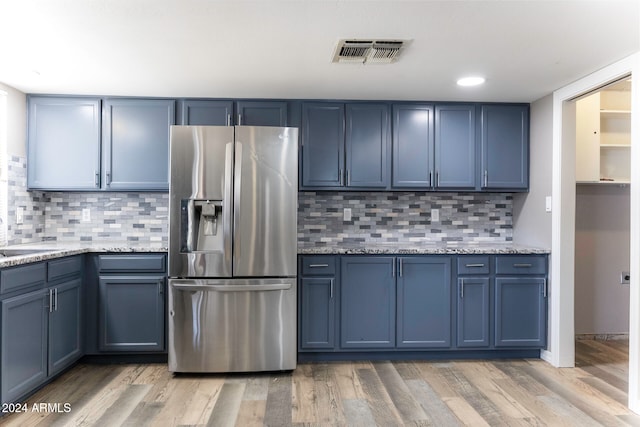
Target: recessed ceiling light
[[470, 81]]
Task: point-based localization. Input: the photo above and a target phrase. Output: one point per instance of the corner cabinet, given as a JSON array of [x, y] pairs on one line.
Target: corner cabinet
[[504, 140], [64, 131], [345, 145], [137, 129], [41, 324]]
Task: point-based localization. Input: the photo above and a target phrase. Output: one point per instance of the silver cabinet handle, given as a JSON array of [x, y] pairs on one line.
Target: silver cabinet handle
[[430, 175], [330, 288], [340, 176], [239, 119], [522, 265], [461, 288], [55, 298], [393, 269], [228, 119], [544, 288], [108, 178], [50, 300], [97, 178], [400, 269], [346, 172], [474, 265], [437, 179], [486, 178], [318, 265]]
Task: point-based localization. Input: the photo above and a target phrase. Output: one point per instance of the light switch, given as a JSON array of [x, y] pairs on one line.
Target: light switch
[[435, 215], [347, 214], [547, 204], [19, 215], [86, 215]]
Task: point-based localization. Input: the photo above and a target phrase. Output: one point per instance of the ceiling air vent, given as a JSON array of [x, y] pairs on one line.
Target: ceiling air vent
[[363, 51]]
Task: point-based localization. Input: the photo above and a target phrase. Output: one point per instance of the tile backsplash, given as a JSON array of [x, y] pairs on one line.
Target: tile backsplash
[[403, 217], [377, 217]]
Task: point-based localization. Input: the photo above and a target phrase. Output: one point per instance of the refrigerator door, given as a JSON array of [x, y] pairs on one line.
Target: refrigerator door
[[265, 202], [201, 201], [233, 325]]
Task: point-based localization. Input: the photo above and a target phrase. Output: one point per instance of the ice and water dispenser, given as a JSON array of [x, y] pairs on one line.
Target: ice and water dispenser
[[202, 223]]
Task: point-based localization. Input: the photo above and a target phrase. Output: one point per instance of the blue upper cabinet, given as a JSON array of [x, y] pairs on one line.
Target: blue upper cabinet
[[196, 112], [62, 132], [345, 145], [367, 145], [261, 113], [136, 129], [434, 147], [228, 113], [412, 143], [505, 147], [322, 150], [455, 147]]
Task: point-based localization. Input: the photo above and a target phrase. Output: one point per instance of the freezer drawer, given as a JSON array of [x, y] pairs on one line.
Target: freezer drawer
[[235, 325]]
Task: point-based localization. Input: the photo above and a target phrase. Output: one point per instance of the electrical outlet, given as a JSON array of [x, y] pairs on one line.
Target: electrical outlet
[[19, 215], [435, 215], [624, 277], [547, 204], [86, 215], [347, 214]]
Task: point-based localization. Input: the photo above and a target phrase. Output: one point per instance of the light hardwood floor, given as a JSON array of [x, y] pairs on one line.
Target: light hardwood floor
[[452, 393]]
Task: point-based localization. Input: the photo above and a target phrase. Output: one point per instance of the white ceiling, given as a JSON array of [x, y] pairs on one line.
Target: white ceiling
[[283, 49]]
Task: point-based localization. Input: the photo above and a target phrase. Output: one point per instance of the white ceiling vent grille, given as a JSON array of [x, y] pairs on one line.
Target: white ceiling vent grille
[[368, 51]]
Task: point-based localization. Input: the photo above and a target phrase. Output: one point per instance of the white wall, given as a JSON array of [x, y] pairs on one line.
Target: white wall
[[531, 224], [16, 121], [602, 253]]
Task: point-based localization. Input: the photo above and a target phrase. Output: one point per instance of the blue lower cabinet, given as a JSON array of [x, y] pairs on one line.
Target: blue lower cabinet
[[367, 302], [424, 302], [131, 313], [317, 313], [473, 312], [520, 312], [24, 344], [65, 325]]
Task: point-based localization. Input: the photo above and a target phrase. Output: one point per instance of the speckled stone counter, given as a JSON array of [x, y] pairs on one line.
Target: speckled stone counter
[[52, 250], [451, 249]]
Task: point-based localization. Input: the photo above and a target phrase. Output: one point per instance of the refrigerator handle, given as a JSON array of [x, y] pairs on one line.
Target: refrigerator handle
[[237, 188], [227, 205], [234, 288]]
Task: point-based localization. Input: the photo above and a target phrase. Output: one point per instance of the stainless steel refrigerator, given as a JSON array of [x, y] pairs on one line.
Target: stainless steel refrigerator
[[232, 248]]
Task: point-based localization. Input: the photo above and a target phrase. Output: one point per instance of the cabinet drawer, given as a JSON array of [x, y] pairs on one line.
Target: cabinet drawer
[[22, 277], [318, 266], [473, 265], [525, 264], [132, 263], [64, 267]]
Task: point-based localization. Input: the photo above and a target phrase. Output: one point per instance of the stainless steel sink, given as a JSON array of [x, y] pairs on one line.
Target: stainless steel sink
[[6, 253]]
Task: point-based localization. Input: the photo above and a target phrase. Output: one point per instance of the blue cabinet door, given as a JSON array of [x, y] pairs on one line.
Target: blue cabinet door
[[136, 144], [65, 326], [424, 302], [505, 147], [367, 145], [322, 144], [473, 312], [64, 143], [261, 113], [198, 112], [520, 312], [367, 302], [455, 147], [412, 146], [23, 364], [131, 313], [317, 313]]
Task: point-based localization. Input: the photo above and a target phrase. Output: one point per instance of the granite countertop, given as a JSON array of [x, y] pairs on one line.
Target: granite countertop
[[52, 250], [426, 249]]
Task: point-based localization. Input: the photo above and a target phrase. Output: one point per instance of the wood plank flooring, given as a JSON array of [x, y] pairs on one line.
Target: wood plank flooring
[[451, 393]]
